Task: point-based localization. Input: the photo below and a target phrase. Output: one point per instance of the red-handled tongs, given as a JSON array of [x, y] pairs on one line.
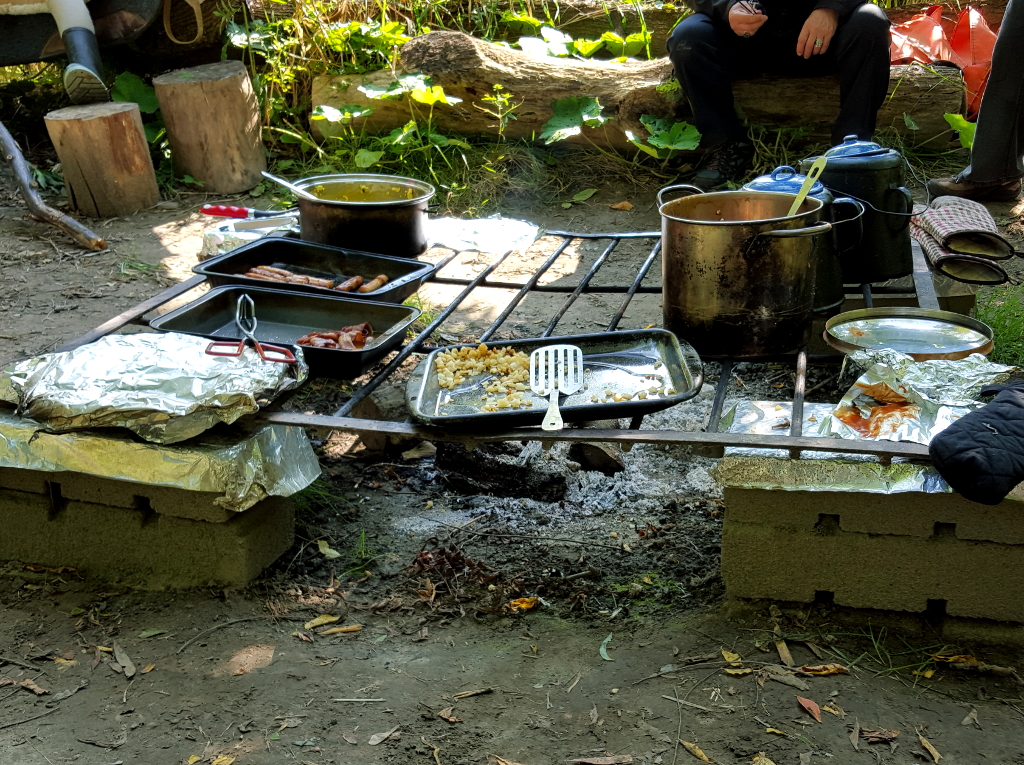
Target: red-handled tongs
[[245, 318]]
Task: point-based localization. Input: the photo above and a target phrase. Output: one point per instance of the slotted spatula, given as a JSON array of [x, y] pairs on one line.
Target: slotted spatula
[[555, 370]]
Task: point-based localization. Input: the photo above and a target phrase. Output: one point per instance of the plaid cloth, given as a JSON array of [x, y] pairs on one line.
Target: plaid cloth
[[964, 268], [964, 226]]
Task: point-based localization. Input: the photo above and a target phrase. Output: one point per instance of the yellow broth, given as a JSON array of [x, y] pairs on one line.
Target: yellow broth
[[362, 191]]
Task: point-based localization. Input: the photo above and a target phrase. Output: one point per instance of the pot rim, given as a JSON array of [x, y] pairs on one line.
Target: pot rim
[[725, 223], [426, 190]]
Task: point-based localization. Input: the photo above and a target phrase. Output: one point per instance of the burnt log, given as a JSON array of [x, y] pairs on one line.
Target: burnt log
[[469, 68]]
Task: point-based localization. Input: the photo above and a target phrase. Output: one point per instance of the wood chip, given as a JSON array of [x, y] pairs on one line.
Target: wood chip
[[784, 654], [467, 694], [616, 759], [972, 719], [929, 748]]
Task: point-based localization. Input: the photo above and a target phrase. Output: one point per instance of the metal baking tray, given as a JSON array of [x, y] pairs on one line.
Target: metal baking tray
[[642, 352], [283, 317], [921, 333], [309, 259]]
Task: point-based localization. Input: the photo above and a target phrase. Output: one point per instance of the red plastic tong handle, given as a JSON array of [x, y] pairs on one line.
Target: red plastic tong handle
[[225, 211], [271, 353]]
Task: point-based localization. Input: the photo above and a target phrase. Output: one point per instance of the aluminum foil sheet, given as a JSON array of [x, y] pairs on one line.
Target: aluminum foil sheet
[[495, 235], [772, 469], [275, 461], [224, 237], [898, 399], [163, 387]]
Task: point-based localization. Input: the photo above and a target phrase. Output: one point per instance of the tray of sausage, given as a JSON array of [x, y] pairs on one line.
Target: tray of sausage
[[293, 264], [340, 336]]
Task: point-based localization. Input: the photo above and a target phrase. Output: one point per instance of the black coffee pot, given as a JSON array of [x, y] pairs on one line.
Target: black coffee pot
[[874, 176]]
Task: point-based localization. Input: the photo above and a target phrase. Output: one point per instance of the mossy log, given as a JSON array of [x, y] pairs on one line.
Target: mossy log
[[468, 68]]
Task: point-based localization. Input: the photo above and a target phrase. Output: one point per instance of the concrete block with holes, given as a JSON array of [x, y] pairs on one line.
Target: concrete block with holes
[[146, 536], [916, 552]]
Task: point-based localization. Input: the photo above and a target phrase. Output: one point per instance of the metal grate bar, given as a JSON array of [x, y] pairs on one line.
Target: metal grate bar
[[416, 343], [796, 416], [641, 274], [514, 303], [613, 289], [579, 289]]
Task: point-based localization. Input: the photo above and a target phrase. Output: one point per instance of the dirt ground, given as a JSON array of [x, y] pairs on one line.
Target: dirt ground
[[433, 545]]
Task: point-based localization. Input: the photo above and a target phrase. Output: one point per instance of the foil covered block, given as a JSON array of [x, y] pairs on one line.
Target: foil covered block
[[163, 387], [772, 469], [900, 399], [225, 237], [275, 461], [496, 235]]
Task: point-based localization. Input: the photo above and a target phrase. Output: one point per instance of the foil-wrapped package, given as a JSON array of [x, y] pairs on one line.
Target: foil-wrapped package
[[275, 461], [224, 237], [163, 387], [899, 399], [496, 235]]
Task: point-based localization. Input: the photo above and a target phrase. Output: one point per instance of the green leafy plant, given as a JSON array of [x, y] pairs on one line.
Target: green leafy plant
[[570, 116], [550, 43], [628, 46], [500, 106], [964, 128]]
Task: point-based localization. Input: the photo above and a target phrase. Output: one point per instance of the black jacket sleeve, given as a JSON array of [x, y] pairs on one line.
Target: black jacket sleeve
[[719, 9], [843, 7]]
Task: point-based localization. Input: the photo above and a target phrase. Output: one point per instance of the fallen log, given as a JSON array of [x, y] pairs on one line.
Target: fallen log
[[468, 68]]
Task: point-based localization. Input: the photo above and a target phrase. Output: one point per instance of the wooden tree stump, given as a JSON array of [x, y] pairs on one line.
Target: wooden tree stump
[[213, 125], [469, 68], [105, 158]]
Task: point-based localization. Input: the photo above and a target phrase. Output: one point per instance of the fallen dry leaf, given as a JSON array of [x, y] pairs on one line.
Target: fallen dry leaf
[[223, 760], [340, 630], [593, 715], [495, 760], [927, 674], [784, 653], [326, 550], [303, 637], [523, 604], [929, 748], [148, 668], [826, 669], [623, 205], [63, 664], [834, 709], [954, 659], [428, 591], [477, 692], [448, 714], [194, 759], [810, 707], [741, 672], [615, 759], [972, 719], [379, 738], [729, 656], [246, 659], [761, 759], [855, 735], [320, 621], [29, 685], [349, 738], [695, 751], [776, 731], [122, 659], [878, 735]]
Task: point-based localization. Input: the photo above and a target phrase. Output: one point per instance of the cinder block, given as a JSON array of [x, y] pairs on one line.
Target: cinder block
[[903, 514], [143, 548], [976, 579], [196, 505], [34, 481]]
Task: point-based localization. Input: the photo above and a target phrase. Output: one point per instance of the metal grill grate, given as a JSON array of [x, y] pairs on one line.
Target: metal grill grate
[[708, 442]]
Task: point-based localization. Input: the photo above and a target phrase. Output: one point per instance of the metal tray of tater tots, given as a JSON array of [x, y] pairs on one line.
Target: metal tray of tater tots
[[625, 374]]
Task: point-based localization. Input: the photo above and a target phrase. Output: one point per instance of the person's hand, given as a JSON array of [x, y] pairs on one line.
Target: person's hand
[[820, 26], [744, 19]]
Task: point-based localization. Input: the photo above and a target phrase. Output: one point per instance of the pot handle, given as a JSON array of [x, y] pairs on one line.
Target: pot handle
[[790, 233], [677, 187], [858, 217]]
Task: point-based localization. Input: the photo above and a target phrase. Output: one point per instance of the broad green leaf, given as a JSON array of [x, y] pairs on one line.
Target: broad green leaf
[[552, 35], [437, 139], [433, 95], [254, 35], [365, 158], [326, 550], [910, 122], [522, 22], [587, 48], [570, 115], [343, 114], [399, 136], [536, 46], [681, 137], [642, 146], [566, 205], [628, 46], [392, 92], [584, 195], [966, 129], [151, 633], [460, 144], [130, 88]]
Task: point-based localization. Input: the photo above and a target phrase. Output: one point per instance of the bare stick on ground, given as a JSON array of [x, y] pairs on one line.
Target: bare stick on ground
[[35, 203]]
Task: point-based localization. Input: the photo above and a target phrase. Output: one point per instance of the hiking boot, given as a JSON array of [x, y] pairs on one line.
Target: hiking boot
[[727, 162], [83, 78], [958, 186]]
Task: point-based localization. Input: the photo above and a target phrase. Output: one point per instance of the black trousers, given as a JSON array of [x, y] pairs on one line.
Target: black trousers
[[999, 140], [708, 55]]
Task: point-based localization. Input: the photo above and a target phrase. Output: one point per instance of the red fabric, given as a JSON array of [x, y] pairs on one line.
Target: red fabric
[[928, 39]]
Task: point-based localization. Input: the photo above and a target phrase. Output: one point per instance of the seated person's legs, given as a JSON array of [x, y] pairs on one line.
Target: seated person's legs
[[83, 78], [861, 50], [703, 55]]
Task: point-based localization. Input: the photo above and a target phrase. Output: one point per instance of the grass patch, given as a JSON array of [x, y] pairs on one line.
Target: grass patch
[[1002, 308]]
